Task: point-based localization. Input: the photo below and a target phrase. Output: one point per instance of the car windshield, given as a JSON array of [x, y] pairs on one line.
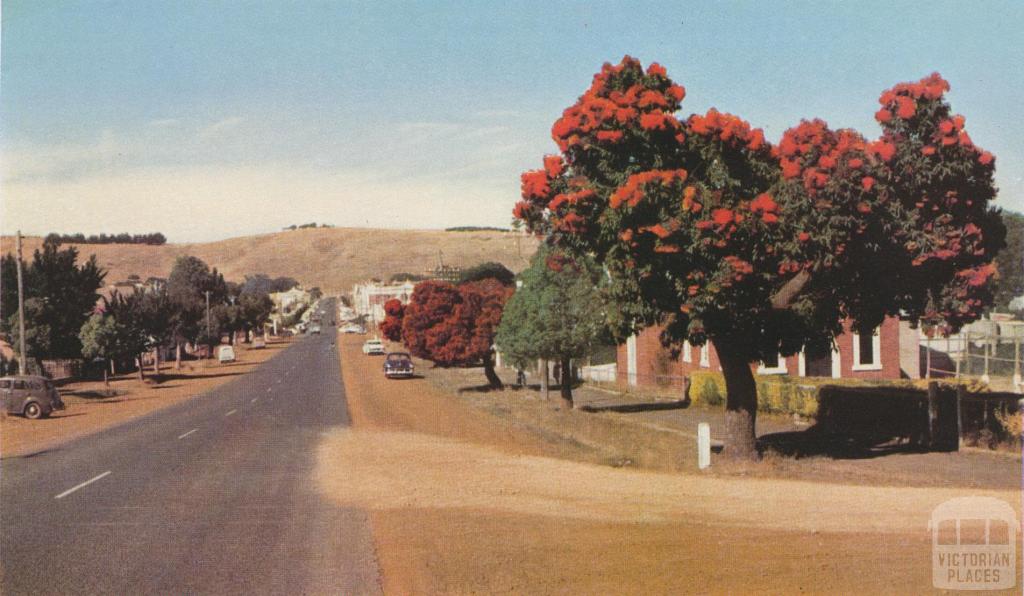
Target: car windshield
[[398, 357]]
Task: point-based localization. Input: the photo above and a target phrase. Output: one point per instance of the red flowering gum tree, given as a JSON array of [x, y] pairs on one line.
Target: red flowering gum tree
[[708, 230], [455, 325], [391, 326]]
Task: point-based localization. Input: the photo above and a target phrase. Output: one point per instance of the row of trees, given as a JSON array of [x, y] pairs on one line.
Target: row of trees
[[705, 228], [66, 319], [557, 313], [155, 238]]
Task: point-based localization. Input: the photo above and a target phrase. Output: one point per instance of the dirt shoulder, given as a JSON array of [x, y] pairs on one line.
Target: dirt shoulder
[[464, 500], [89, 410]]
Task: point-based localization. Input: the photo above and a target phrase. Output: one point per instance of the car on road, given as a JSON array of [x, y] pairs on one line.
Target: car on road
[[373, 347], [315, 329], [226, 354], [398, 364], [29, 395]]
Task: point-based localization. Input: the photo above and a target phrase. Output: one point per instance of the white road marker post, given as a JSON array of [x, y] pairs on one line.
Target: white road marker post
[[703, 445]]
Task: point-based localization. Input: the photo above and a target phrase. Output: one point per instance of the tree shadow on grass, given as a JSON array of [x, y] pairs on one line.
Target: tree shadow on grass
[[814, 443], [639, 407]]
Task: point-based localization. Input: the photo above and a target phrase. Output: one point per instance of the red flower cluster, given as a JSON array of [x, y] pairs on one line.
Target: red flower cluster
[[902, 100], [728, 128], [535, 184], [766, 206], [606, 109], [978, 276], [553, 165], [632, 192], [814, 153], [739, 266]]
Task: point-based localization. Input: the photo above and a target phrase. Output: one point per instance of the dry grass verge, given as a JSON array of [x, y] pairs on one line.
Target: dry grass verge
[[466, 500], [89, 410]]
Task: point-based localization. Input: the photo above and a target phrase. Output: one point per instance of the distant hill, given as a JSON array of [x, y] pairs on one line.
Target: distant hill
[[332, 258]]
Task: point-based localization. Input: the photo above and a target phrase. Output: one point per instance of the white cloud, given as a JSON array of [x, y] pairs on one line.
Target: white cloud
[[62, 159]]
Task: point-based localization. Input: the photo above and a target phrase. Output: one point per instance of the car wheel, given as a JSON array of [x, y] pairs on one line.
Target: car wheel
[[33, 411]]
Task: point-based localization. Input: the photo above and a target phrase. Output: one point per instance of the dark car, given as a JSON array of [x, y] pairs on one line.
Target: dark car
[[398, 364], [29, 395]]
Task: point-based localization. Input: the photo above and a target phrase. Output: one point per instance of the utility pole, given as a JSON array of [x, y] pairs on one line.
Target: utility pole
[[207, 292], [21, 312]]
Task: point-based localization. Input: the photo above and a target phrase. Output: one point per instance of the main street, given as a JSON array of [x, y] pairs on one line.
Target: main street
[[213, 496]]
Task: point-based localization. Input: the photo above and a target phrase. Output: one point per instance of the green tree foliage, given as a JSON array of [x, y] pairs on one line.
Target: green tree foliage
[[264, 284], [130, 312], [1011, 261], [65, 294], [557, 313], [489, 270], [38, 333]]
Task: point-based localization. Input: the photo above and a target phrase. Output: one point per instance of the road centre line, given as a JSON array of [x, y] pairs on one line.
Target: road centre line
[[82, 485], [253, 400], [230, 413], [187, 434]]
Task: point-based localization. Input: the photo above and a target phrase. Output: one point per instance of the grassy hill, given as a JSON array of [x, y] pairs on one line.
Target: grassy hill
[[331, 258]]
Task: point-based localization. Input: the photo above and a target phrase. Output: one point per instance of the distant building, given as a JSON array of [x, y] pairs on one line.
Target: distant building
[[287, 301], [448, 273], [368, 298]]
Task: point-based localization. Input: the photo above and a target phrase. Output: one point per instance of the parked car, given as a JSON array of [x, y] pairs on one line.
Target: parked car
[[29, 395], [398, 364], [373, 347], [314, 329], [258, 342], [226, 354], [353, 328]]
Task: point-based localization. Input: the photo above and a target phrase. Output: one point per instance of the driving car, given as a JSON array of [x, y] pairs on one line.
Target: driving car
[[226, 354], [398, 364], [315, 329], [373, 347], [31, 396]]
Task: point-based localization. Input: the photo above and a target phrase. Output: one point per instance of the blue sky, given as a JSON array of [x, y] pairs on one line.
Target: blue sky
[[212, 119]]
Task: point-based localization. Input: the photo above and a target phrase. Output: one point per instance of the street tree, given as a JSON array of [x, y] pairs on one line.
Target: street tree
[[101, 337], [391, 326], [489, 270], [65, 294], [557, 314], [455, 325], [129, 312], [705, 228]]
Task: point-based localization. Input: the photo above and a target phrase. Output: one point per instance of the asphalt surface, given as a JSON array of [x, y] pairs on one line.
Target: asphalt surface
[[212, 496]]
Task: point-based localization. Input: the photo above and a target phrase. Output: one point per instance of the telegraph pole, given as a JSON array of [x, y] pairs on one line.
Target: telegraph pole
[[21, 312]]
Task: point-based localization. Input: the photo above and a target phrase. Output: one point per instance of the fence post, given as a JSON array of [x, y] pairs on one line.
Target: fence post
[[703, 445], [985, 378], [933, 414], [1016, 365], [927, 357]]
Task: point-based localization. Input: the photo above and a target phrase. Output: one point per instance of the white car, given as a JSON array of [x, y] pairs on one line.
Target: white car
[[353, 328], [373, 346], [226, 354]]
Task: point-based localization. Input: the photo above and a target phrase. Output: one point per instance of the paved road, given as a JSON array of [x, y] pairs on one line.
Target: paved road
[[213, 496]]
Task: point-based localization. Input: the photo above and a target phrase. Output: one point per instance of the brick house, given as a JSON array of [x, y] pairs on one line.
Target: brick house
[[891, 352]]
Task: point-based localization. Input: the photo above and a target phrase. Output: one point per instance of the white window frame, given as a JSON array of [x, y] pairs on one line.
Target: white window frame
[[687, 352], [774, 370], [705, 356], [876, 349]]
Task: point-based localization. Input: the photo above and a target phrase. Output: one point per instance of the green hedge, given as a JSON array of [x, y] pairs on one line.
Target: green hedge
[[780, 394]]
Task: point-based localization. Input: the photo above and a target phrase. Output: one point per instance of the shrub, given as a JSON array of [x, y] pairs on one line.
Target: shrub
[[709, 393]]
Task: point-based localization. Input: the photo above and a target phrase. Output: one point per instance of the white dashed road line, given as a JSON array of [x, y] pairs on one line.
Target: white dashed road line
[[230, 413], [188, 433], [253, 400], [82, 485]]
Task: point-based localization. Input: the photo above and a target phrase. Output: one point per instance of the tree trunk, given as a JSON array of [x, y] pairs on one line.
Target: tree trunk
[[544, 379], [177, 355], [113, 366], [156, 360], [106, 378], [492, 377], [740, 401], [142, 373], [566, 381]]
